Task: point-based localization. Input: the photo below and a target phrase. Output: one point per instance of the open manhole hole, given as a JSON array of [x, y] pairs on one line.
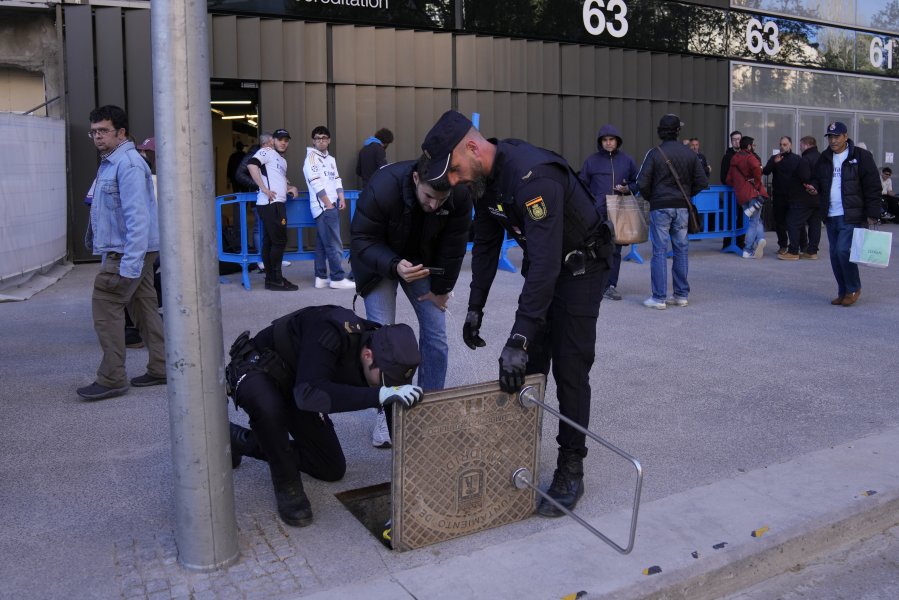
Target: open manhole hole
[[371, 505]]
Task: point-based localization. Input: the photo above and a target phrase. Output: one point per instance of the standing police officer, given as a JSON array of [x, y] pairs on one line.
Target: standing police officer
[[304, 366], [533, 195]]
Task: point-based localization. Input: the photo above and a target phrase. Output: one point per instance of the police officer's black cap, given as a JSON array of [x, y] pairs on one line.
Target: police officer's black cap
[[395, 352], [438, 146]]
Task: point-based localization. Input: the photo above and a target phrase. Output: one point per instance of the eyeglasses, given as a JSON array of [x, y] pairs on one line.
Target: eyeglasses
[[321, 138], [99, 132]]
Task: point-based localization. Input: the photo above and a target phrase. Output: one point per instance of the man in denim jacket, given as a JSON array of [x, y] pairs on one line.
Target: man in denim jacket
[[124, 230]]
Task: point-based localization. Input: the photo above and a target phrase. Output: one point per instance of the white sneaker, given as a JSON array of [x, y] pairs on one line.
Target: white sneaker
[[747, 255], [760, 248], [261, 267], [343, 284], [380, 435], [285, 263], [676, 301], [320, 283], [653, 303]]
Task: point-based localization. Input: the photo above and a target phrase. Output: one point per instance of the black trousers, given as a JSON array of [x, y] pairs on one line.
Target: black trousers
[[781, 207], [568, 344], [804, 223], [274, 236], [273, 416], [616, 265]]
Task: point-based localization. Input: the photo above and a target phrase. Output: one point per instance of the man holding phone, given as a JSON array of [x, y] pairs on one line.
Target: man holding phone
[[405, 233]]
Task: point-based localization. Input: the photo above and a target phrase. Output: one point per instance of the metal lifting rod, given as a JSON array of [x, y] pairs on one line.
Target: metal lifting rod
[[522, 477]]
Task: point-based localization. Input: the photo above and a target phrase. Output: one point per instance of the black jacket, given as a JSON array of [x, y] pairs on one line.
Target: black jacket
[[725, 163], [321, 346], [860, 188], [383, 224], [804, 174], [658, 185], [784, 184], [372, 157]]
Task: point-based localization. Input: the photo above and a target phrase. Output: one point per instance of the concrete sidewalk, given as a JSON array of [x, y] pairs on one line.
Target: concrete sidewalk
[[759, 404]]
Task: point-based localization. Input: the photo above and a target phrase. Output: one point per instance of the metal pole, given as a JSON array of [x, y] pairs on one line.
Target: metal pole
[[205, 526]]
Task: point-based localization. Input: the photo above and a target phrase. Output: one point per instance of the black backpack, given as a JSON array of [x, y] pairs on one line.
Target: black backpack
[[242, 175]]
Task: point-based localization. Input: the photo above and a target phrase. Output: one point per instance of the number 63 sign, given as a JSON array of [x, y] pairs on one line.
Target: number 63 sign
[[596, 20]]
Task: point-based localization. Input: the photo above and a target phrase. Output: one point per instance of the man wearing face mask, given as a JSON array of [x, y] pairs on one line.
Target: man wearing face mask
[[534, 196], [294, 373], [406, 233], [847, 183]]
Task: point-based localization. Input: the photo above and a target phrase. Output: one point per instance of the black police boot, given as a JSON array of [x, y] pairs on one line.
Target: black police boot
[[244, 443], [567, 486], [293, 505]]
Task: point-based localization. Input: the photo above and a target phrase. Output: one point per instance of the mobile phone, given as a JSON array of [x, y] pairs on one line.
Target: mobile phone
[[436, 270]]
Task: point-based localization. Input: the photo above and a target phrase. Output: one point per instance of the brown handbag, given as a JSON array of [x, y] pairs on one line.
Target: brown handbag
[[694, 223]]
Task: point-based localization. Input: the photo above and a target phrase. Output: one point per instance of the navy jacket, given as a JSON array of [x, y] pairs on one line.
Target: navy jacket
[[602, 171], [535, 197], [860, 187], [382, 226], [372, 157]]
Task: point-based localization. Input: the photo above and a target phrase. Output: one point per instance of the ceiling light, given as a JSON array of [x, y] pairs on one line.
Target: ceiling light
[[234, 117], [230, 102], [252, 122]]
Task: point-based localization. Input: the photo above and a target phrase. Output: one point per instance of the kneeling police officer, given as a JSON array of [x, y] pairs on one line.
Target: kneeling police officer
[[294, 373]]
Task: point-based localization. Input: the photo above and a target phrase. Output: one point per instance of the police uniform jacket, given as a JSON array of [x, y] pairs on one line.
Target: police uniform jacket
[[658, 185], [860, 188], [321, 346], [388, 214], [535, 197]]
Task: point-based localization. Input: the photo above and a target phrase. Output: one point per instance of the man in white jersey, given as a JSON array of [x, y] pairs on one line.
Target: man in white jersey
[[269, 170], [848, 184], [326, 201]]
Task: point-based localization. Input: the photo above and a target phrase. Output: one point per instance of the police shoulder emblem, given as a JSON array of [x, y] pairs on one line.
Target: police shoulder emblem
[[536, 208]]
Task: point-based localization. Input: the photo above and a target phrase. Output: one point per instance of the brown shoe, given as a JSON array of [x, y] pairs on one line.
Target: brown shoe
[[787, 256], [838, 301], [851, 298], [782, 251], [809, 255]]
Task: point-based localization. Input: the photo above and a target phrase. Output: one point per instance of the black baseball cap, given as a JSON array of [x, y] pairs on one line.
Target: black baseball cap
[[836, 128], [395, 352], [670, 121], [443, 137], [280, 134]]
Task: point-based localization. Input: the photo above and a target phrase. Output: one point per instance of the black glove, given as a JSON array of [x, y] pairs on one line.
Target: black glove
[[472, 329], [512, 364]]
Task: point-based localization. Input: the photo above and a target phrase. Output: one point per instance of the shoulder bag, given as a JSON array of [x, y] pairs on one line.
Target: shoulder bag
[[694, 224]]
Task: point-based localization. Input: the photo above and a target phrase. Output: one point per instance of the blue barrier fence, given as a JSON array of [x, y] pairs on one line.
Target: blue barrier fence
[[717, 208]]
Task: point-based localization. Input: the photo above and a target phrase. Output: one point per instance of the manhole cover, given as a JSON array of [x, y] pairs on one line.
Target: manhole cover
[[453, 460]]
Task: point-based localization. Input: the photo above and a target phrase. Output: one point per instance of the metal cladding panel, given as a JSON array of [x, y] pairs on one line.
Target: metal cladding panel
[[552, 82], [643, 90], [110, 57], [343, 51], [534, 83], [387, 115], [80, 91], [571, 69], [519, 114], [675, 78], [139, 71], [590, 79], [453, 460], [501, 63], [364, 58], [315, 42], [571, 126], [405, 62], [271, 107], [466, 62], [224, 48], [293, 51], [658, 68], [271, 51], [344, 141], [249, 48], [518, 66], [385, 50], [484, 65]]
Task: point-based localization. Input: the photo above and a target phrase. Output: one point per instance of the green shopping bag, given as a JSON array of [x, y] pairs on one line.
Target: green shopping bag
[[871, 247]]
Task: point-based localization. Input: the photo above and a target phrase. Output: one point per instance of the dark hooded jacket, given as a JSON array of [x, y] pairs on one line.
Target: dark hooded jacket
[[387, 217], [602, 171], [860, 189], [372, 157]]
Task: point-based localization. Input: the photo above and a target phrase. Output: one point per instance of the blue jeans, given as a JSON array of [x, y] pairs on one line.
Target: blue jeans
[[668, 225], [380, 307], [839, 235], [329, 246], [755, 231]]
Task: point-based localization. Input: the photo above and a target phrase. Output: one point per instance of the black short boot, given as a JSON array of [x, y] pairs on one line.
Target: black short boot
[[293, 505], [567, 486], [244, 443]]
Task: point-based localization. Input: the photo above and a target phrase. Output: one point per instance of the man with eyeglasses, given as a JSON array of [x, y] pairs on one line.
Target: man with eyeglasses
[[124, 231], [326, 201]]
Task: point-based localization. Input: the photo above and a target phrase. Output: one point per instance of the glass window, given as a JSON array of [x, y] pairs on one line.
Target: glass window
[[890, 154], [820, 10], [870, 134], [878, 14]]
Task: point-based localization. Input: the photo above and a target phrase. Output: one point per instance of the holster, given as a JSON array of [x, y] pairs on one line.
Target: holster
[[246, 358]]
